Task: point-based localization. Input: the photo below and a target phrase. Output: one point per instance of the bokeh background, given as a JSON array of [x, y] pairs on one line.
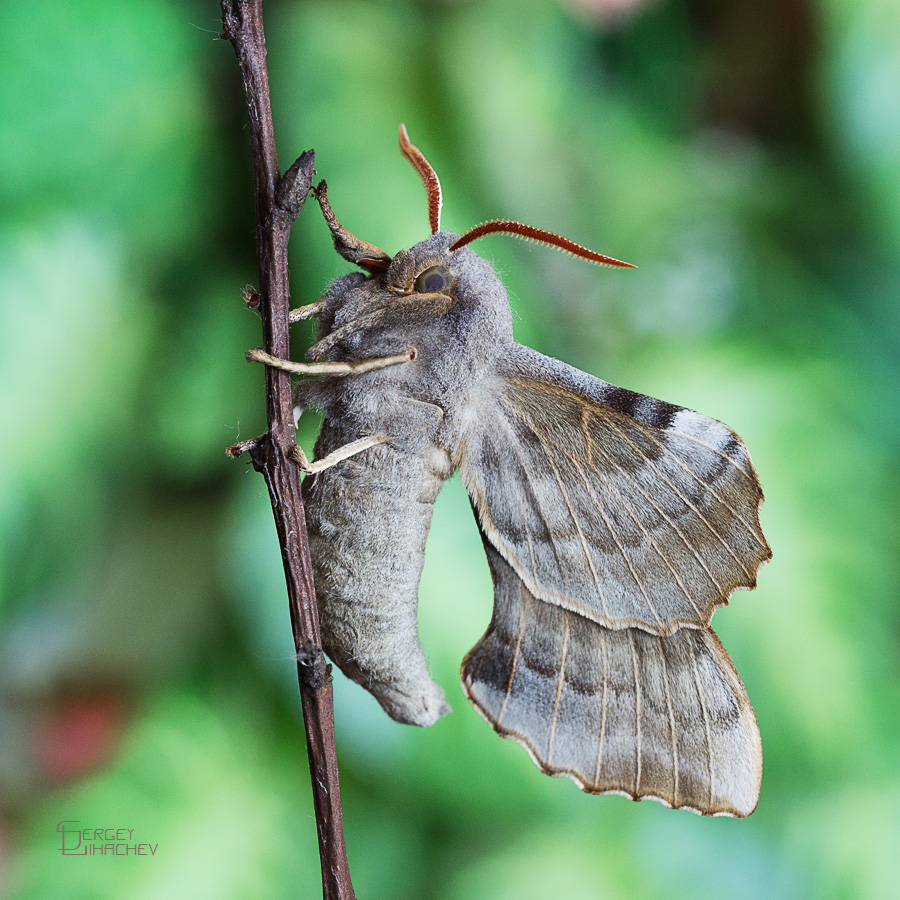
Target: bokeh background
[[745, 155]]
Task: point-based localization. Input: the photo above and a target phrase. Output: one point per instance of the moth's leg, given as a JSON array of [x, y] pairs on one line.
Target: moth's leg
[[416, 420], [306, 312], [308, 392], [402, 311], [350, 367], [347, 244], [412, 424], [408, 424], [338, 455]]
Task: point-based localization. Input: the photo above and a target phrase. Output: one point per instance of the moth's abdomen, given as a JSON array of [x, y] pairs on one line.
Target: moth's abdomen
[[368, 518]]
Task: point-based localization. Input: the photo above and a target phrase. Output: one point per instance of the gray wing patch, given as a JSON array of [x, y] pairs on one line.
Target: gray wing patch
[[623, 711], [625, 509]]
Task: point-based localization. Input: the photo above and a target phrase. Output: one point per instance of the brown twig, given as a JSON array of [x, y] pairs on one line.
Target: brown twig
[[278, 202]]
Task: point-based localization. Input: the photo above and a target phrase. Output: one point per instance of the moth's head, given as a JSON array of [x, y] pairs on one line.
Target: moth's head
[[442, 263]]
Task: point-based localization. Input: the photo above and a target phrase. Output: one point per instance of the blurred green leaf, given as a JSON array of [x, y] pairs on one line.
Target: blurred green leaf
[[225, 805], [111, 120]]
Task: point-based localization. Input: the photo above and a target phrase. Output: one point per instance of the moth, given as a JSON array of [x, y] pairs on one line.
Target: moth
[[614, 525]]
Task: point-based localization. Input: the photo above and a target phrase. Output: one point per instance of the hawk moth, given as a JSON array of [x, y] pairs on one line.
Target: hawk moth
[[614, 525]]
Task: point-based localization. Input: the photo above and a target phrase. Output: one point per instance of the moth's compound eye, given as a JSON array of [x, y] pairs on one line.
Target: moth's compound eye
[[436, 280]]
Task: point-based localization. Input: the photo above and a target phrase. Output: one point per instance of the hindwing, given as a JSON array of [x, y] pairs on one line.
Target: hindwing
[[618, 711]]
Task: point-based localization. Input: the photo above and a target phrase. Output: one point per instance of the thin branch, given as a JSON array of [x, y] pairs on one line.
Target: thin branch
[[278, 202]]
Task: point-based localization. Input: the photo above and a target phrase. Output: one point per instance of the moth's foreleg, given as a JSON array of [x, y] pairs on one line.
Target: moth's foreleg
[[350, 367], [338, 455], [400, 311]]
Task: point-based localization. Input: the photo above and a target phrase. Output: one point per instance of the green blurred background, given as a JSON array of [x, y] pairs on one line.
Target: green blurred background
[[745, 154]]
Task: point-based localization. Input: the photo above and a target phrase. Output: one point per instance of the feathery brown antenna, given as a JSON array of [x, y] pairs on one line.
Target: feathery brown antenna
[[529, 233], [429, 176]]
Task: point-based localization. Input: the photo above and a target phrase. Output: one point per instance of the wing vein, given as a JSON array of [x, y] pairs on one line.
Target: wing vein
[[724, 456], [537, 505], [619, 546], [708, 486], [603, 701], [662, 656], [512, 668], [653, 544], [575, 522], [688, 545], [687, 502], [580, 398], [709, 753], [559, 688], [684, 540], [637, 714], [534, 574]]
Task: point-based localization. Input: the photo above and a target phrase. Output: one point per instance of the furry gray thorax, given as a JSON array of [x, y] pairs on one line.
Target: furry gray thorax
[[457, 339]]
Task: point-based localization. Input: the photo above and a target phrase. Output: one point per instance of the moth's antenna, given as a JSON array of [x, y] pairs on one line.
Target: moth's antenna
[[363, 254], [529, 233], [429, 176]]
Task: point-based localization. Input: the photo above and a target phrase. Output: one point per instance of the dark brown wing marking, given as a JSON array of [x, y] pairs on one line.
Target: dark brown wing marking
[[610, 504]]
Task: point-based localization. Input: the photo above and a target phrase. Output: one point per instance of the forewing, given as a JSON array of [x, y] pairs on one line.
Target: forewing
[[625, 509], [617, 711]]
